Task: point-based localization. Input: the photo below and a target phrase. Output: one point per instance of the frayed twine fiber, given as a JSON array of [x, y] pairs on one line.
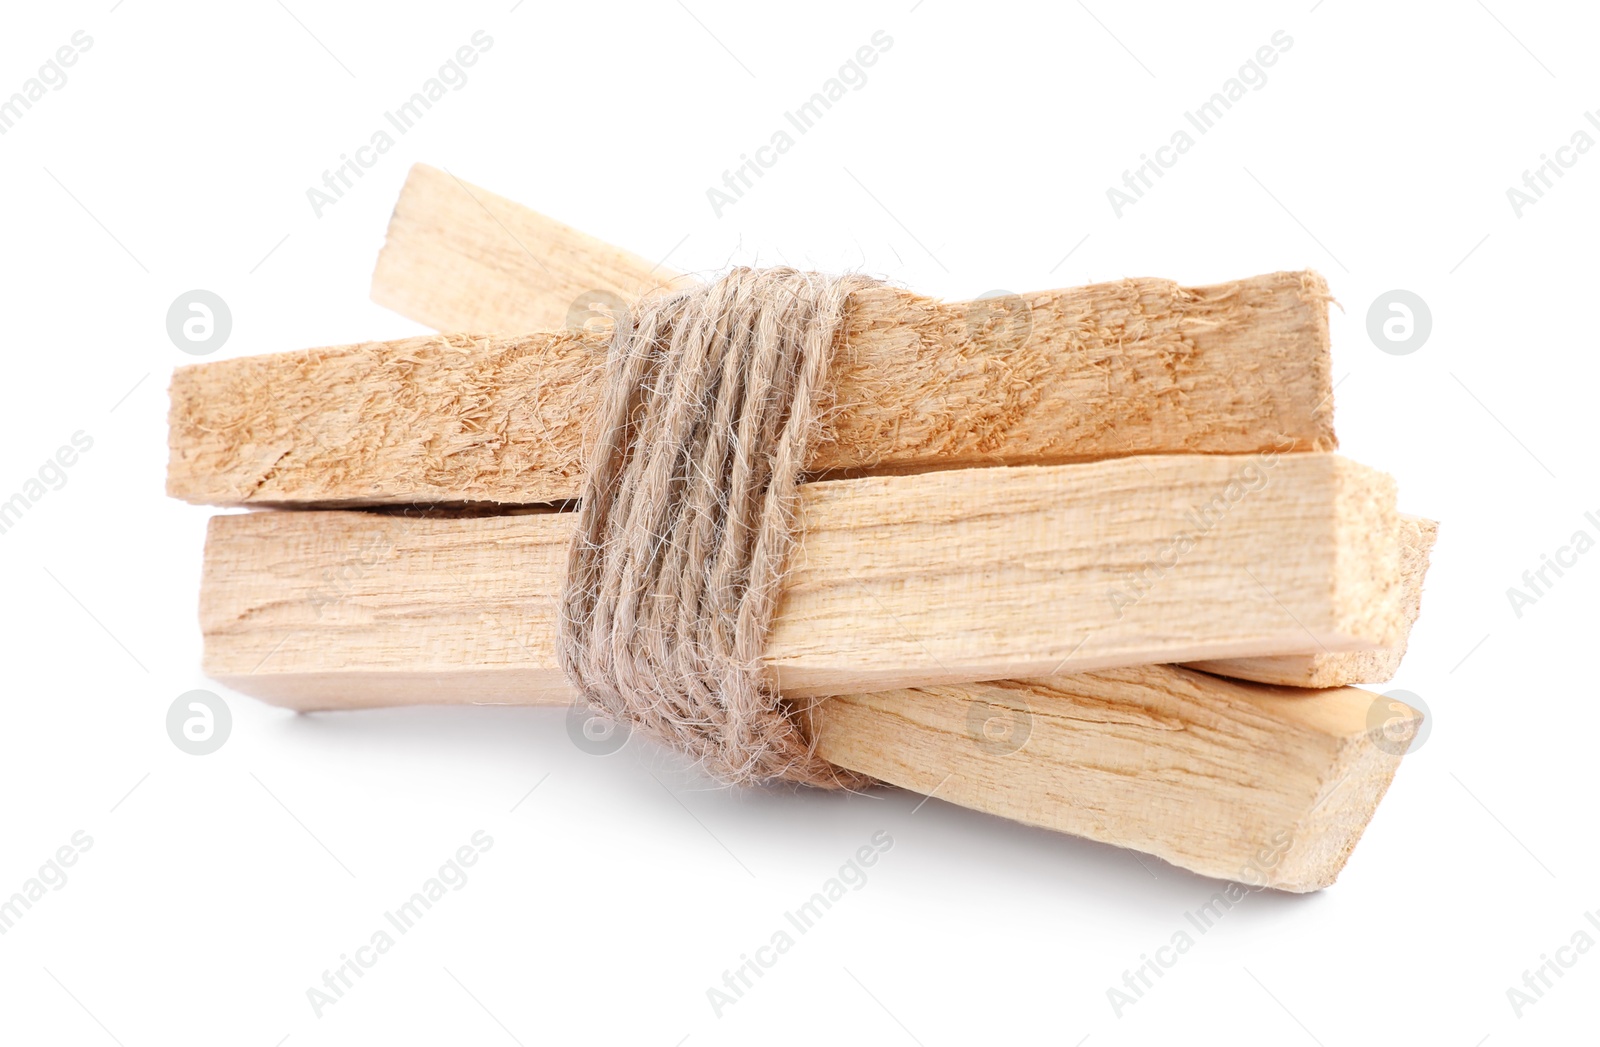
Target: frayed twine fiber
[[688, 515]]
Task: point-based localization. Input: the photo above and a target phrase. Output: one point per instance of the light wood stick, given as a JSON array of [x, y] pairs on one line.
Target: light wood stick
[[1336, 669], [897, 581], [1135, 367], [1265, 786], [460, 258]]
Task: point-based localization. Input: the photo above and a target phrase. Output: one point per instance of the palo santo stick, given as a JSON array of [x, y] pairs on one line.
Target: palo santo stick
[[460, 258], [897, 581], [1135, 367], [1266, 786], [1336, 669]]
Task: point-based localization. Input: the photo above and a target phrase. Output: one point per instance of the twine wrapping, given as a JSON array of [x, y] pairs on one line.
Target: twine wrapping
[[711, 398]]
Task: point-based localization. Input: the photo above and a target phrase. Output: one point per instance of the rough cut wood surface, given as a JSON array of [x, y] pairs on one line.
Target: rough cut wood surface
[[1134, 367], [1265, 786], [1260, 785], [897, 581], [1340, 668]]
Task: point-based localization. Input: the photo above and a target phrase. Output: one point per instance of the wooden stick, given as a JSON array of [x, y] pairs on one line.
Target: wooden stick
[[897, 581], [1134, 367], [1336, 669], [460, 258], [1265, 786]]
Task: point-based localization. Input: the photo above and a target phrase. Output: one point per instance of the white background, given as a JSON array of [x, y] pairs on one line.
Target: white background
[[977, 156]]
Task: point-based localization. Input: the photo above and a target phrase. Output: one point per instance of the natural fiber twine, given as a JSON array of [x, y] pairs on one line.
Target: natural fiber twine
[[688, 516]]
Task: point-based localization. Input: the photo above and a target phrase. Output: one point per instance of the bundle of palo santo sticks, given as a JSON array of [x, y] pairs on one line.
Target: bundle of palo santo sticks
[[1080, 558]]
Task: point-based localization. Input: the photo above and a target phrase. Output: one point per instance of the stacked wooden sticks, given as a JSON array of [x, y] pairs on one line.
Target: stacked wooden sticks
[[1120, 640]]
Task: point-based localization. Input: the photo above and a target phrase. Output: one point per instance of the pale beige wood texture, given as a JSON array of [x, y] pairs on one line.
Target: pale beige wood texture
[[1339, 668], [460, 258], [897, 581], [1134, 367], [1266, 786]]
